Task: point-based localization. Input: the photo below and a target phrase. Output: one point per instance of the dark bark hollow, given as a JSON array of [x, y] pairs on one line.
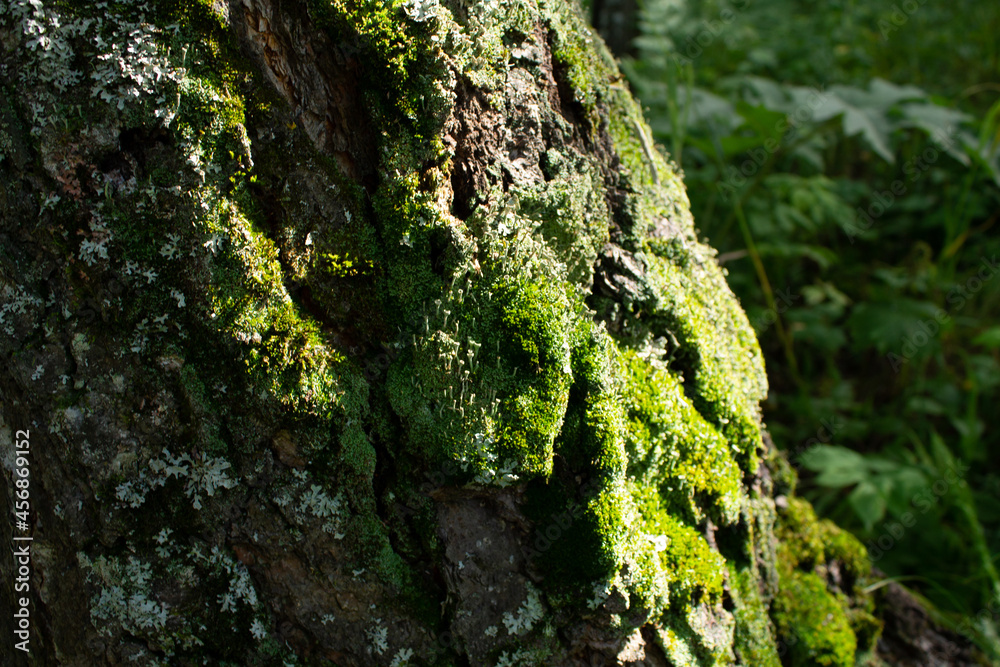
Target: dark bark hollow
[[370, 333]]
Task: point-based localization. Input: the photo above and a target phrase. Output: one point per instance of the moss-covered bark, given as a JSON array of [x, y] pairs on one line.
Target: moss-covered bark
[[377, 333]]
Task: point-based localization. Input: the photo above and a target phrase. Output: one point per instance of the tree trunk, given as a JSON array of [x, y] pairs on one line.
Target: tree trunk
[[366, 333]]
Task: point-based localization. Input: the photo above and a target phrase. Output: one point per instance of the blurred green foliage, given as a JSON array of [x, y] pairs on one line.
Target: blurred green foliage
[[844, 157]]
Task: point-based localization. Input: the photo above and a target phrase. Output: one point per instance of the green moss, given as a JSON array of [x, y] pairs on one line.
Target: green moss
[[801, 536], [694, 570], [847, 550], [591, 438], [487, 382], [867, 628], [783, 475], [724, 370], [754, 636], [593, 546], [283, 351], [673, 449], [806, 542], [697, 635], [812, 624], [590, 68], [533, 342], [570, 211], [404, 65], [842, 618]]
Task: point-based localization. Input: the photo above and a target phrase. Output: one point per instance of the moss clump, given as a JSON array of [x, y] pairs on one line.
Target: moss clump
[[821, 612], [723, 370], [784, 477], [592, 436], [487, 381], [403, 61], [693, 569], [753, 640], [570, 210], [812, 623], [672, 448], [807, 542], [596, 546], [533, 341]]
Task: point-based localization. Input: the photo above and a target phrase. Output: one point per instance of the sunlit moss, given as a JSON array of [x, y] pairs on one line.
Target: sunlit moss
[[672, 448], [825, 623], [812, 624], [692, 567], [754, 641]]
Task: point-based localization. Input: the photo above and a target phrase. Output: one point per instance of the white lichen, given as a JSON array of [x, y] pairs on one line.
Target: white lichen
[[123, 597], [205, 475], [421, 10], [315, 502], [15, 300], [378, 637], [169, 249], [95, 247], [402, 658], [518, 658], [257, 629], [530, 612]]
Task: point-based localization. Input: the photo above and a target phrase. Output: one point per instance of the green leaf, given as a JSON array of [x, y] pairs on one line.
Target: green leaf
[[765, 93], [882, 465], [925, 406], [707, 106], [984, 370], [907, 482], [943, 458], [870, 124], [812, 326], [837, 466], [868, 503], [824, 257], [738, 145], [888, 325], [942, 124], [885, 94], [865, 112], [989, 338], [765, 122]]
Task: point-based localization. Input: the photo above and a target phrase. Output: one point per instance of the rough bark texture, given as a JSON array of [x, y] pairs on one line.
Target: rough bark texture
[[377, 333]]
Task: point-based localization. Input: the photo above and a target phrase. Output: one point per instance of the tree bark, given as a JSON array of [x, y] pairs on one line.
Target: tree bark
[[371, 333]]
